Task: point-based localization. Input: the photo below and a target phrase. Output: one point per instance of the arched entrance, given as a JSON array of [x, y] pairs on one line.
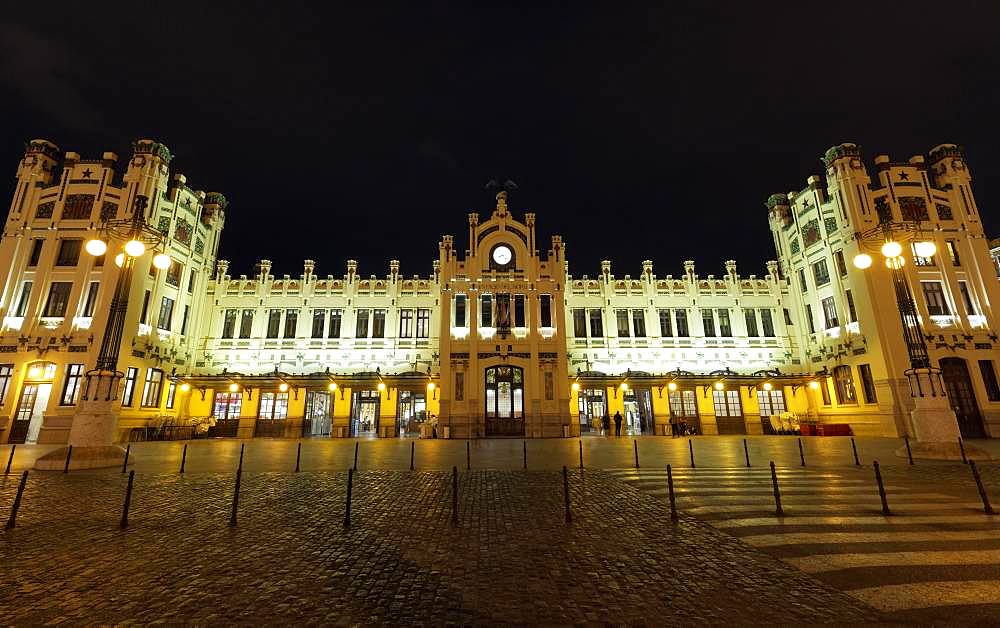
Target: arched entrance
[[34, 400], [504, 401], [962, 397]]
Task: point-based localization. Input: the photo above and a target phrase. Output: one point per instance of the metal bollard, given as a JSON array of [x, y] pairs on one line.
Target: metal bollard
[[17, 501], [670, 490], [454, 496], [412, 446], [881, 489], [746, 452], [987, 508], [298, 457], [236, 497], [524, 446], [802, 455], [347, 506], [778, 510], [69, 454], [356, 455], [961, 446], [10, 460], [857, 461], [128, 499], [128, 449], [468, 455], [184, 456], [569, 516], [691, 448], [635, 444], [240, 467], [581, 453], [909, 454]]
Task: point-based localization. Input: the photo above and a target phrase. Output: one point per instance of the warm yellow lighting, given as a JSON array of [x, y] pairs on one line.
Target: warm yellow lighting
[[768, 386], [672, 386], [623, 386], [925, 248], [719, 385], [332, 386], [381, 386], [431, 386], [135, 248], [119, 259], [895, 262], [34, 372], [814, 385], [161, 261], [185, 387], [862, 260], [892, 249], [283, 387], [233, 388], [575, 386], [96, 247]]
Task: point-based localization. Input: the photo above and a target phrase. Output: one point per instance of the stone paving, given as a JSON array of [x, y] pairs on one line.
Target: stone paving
[[512, 559]]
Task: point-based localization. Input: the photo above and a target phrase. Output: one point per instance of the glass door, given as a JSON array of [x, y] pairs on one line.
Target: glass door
[[504, 401]]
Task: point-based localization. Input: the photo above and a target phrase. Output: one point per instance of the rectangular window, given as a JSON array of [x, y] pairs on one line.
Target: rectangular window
[[291, 323], [58, 300], [810, 323], [596, 323], [767, 323], [821, 273], [406, 323], [824, 389], [841, 264], [459, 386], [867, 383], [639, 323], [335, 318], [727, 403], [184, 320], [486, 314], [830, 313], [273, 323], [99, 260], [666, 324], [985, 367], [725, 328], [273, 405], [151, 388], [519, 310], [378, 323], [229, 323], [708, 322], [750, 315], [246, 324], [423, 322], [545, 304], [174, 272], [90, 303], [802, 281], [460, 305], [69, 252], [843, 383], [71, 387], [319, 323], [770, 402], [144, 313], [918, 260], [952, 248], [171, 394], [227, 405], [128, 387], [934, 296], [22, 303], [36, 252], [852, 314], [788, 316], [191, 279], [621, 318], [361, 324], [580, 322], [970, 305], [6, 374], [166, 313], [681, 318]]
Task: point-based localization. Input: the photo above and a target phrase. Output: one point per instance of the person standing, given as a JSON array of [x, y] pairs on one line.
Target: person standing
[[606, 425], [674, 431], [618, 423]]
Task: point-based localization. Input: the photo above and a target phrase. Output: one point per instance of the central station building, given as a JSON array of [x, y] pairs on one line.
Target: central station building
[[499, 339]]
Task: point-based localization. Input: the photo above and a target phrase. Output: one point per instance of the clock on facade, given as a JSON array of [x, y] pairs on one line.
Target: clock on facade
[[502, 255]]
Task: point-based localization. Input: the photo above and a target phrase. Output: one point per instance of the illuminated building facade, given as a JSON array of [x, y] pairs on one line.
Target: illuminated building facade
[[499, 339]]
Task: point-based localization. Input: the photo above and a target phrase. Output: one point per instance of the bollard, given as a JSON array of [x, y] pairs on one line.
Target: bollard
[[412, 445], [347, 506], [987, 508], [468, 455], [17, 501], [581, 453], [569, 517], [909, 454], [236, 497], [128, 499], [881, 489], [857, 461], [10, 460], [298, 457], [128, 448], [961, 446], [69, 454], [746, 452], [454, 496], [691, 448], [635, 444], [802, 455], [670, 490], [777, 493], [184, 456], [240, 467], [356, 455], [524, 445]]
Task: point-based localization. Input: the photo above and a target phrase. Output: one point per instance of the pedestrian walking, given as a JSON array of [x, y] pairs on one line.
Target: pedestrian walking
[[674, 426], [606, 425], [618, 423]]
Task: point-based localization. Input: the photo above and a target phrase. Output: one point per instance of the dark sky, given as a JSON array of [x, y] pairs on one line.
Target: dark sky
[[368, 131]]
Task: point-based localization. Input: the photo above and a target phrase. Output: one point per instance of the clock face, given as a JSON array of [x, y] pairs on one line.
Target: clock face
[[502, 255]]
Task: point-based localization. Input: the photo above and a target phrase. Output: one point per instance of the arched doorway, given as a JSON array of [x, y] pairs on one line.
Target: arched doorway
[[962, 397], [504, 401], [34, 400]]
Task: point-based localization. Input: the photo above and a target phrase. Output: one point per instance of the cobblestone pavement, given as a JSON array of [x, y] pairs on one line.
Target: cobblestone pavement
[[511, 559], [935, 559], [324, 454]]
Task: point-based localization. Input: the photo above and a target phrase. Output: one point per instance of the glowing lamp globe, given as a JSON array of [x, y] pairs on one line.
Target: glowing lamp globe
[[814, 385], [624, 386], [96, 247], [768, 386], [283, 387], [161, 261], [862, 261], [135, 248], [672, 386], [185, 387], [719, 385], [892, 249], [332, 386], [431, 386], [576, 386], [381, 386], [119, 259], [34, 372], [233, 388], [925, 248]]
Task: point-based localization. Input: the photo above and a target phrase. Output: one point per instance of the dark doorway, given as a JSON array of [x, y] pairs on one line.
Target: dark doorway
[[962, 397], [504, 401]]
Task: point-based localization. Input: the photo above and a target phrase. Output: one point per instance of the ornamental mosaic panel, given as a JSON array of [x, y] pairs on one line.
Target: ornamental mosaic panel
[[794, 246], [913, 208], [163, 226], [883, 210], [199, 245], [109, 211], [830, 224], [944, 212], [183, 232], [45, 210], [810, 233], [78, 206]]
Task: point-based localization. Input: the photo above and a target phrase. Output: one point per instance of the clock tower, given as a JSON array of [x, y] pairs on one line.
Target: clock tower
[[503, 346]]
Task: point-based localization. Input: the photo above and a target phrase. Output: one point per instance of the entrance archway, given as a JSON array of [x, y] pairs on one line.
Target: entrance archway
[[34, 400], [962, 397], [504, 401]]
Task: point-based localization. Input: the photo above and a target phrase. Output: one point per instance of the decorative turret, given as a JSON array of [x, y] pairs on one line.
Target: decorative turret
[[689, 269], [731, 270], [264, 269], [948, 164], [352, 269], [778, 208], [647, 269], [221, 268], [308, 268], [606, 269], [501, 209], [393, 269]]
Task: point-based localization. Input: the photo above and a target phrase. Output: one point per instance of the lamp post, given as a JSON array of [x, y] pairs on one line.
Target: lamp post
[[92, 434]]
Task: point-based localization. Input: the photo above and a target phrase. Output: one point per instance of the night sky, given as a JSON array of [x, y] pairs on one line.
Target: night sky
[[635, 132]]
